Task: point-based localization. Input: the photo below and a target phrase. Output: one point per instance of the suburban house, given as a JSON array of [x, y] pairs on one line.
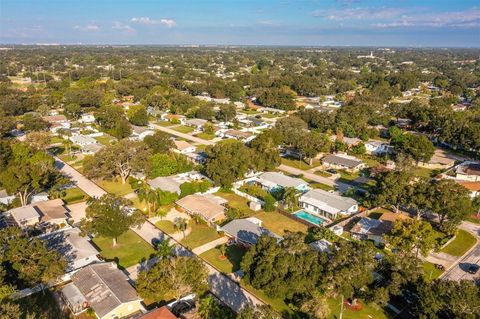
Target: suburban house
[[77, 250], [91, 149], [57, 122], [209, 207], [173, 117], [349, 141], [51, 211], [245, 137], [87, 118], [6, 199], [330, 205], [172, 183], [82, 140], [440, 160], [159, 313], [374, 229], [246, 232], [468, 171], [196, 123], [139, 132], [103, 288], [342, 161], [473, 187], [321, 245], [274, 180], [184, 147], [375, 147]]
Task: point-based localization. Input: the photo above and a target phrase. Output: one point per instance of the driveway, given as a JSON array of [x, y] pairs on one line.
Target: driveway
[[342, 187], [182, 135], [77, 211], [206, 247], [86, 185]]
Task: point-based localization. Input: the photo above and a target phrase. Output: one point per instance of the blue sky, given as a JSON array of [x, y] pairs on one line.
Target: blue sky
[[270, 22]]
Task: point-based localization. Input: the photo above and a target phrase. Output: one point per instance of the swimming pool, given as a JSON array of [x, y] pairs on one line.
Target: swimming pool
[[309, 218]]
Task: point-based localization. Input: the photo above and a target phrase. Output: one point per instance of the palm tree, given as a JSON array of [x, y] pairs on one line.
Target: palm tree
[[290, 197], [181, 224], [147, 195], [161, 212], [163, 249], [206, 307]]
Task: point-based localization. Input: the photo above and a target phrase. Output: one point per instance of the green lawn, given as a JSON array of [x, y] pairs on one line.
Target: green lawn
[[200, 235], [277, 303], [130, 249], [370, 160], [164, 123], [234, 256], [321, 186], [347, 176], [236, 201], [430, 271], [473, 219], [461, 244], [166, 226], [67, 158], [205, 136], [116, 187], [278, 223], [139, 205], [368, 311], [322, 173], [422, 171], [183, 129], [56, 139], [105, 139], [300, 164], [74, 195]]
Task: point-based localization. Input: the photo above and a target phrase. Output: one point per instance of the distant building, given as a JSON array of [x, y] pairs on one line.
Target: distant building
[[196, 123], [342, 161], [183, 147], [239, 135], [321, 245], [375, 147], [139, 132], [439, 160], [172, 183], [173, 117], [82, 140], [87, 118], [274, 180], [323, 203], [468, 171]]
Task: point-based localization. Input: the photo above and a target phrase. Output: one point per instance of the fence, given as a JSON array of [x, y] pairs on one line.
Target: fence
[[249, 197]]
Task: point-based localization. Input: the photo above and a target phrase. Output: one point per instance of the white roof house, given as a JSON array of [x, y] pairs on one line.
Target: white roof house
[[327, 204], [273, 180], [87, 118], [183, 147], [25, 216], [378, 147], [139, 133], [83, 140]]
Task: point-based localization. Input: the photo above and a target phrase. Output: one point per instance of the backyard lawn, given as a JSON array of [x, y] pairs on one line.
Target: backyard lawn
[[324, 187], [348, 177], [200, 235], [299, 164], [368, 311], [430, 271], [461, 244], [116, 187], [231, 264], [236, 201], [105, 139], [279, 223], [205, 136], [166, 226], [74, 195], [164, 123], [183, 129], [322, 173], [130, 249]]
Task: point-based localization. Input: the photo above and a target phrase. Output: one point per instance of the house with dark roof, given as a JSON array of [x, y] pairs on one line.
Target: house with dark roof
[[247, 231], [103, 288], [342, 161]]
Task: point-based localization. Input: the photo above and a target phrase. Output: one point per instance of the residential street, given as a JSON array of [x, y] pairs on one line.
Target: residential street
[[457, 272], [228, 291], [182, 135]]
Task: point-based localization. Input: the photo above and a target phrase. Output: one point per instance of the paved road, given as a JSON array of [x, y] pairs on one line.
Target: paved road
[[342, 187], [182, 135], [89, 187], [228, 291], [457, 272]]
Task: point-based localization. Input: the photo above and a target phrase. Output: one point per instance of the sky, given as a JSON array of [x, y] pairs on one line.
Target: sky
[[428, 23]]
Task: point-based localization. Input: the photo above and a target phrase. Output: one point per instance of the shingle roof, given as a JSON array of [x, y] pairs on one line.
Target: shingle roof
[[328, 201], [202, 205], [159, 313], [51, 209], [24, 213], [104, 286], [182, 145], [280, 179], [343, 160], [246, 231], [167, 184]]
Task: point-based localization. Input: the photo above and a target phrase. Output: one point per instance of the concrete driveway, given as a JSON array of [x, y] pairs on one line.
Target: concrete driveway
[[182, 135]]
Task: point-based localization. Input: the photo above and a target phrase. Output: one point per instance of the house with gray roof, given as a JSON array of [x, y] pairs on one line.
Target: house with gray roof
[[275, 180], [326, 204], [247, 231], [103, 288], [83, 140], [342, 161]]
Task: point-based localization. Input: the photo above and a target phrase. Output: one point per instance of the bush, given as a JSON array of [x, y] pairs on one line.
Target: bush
[[269, 205], [194, 187]]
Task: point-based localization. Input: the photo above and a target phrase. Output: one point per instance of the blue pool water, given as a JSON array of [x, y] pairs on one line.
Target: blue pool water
[[309, 217]]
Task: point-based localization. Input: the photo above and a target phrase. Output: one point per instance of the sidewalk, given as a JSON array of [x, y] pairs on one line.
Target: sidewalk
[[206, 247]]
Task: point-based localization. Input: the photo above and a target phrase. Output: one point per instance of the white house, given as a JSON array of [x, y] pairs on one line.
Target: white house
[[6, 199], [196, 123], [342, 161], [57, 122], [378, 147], [139, 133], [323, 203], [468, 171], [183, 147], [83, 140], [274, 180]]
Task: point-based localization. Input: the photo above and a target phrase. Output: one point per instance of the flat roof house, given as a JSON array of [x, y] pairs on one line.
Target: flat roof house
[[468, 171], [343, 161], [25, 216], [247, 231], [77, 249], [173, 117], [103, 288], [209, 207], [275, 180], [323, 203]]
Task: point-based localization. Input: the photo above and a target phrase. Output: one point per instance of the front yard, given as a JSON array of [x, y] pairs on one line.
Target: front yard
[[234, 255], [183, 129], [130, 249], [74, 195], [299, 164], [236, 201], [205, 136], [116, 187], [166, 226], [461, 244], [279, 223], [199, 235], [430, 271]]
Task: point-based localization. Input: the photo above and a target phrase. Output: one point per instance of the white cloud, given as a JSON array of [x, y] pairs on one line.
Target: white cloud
[[169, 23], [122, 27], [91, 27], [359, 13]]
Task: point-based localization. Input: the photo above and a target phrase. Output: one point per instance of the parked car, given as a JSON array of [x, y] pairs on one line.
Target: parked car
[[472, 269]]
